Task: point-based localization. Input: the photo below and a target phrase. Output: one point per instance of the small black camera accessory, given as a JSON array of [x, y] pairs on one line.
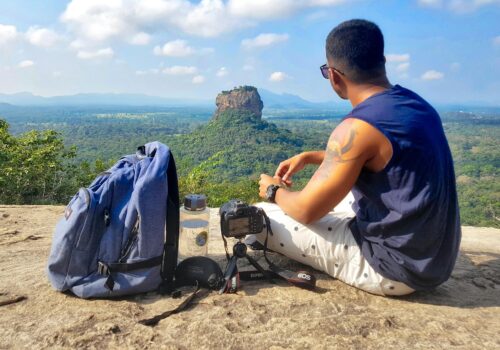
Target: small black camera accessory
[[271, 192], [199, 270]]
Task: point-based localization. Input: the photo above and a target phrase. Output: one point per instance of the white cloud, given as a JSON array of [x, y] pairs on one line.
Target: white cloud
[[399, 62], [180, 70], [180, 48], [96, 54], [7, 33], [266, 9], [98, 21], [263, 40], [464, 6], [432, 75], [278, 76], [403, 67], [198, 79], [140, 38], [43, 37], [222, 72], [175, 48], [208, 18], [77, 44], [398, 58], [149, 71], [312, 3], [316, 16], [430, 3], [26, 64], [496, 40], [458, 6]]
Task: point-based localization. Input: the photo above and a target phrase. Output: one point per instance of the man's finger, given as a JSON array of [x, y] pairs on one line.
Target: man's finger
[[281, 168], [287, 175], [277, 172]]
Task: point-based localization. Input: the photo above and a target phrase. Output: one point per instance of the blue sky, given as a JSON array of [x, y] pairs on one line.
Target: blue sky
[[446, 50]]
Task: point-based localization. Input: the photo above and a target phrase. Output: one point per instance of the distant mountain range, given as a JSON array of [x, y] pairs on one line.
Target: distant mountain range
[[285, 101], [270, 99], [95, 99]]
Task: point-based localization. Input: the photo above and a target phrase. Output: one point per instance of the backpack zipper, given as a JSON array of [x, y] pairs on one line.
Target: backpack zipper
[[84, 225], [87, 197], [134, 234]]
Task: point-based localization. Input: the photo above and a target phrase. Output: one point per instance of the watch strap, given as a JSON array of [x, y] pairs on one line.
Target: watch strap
[[271, 192]]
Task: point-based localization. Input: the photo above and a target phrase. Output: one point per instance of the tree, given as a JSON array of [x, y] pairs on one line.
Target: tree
[[32, 166], [201, 180]]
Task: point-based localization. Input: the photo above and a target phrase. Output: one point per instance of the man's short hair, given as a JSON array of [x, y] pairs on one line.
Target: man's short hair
[[357, 48]]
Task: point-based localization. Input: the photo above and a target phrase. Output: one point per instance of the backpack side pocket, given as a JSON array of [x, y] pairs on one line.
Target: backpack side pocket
[[71, 234]]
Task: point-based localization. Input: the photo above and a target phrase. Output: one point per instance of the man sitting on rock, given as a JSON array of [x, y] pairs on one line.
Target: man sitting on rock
[[392, 153]]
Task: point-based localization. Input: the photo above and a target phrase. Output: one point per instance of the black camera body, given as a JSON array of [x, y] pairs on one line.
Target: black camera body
[[238, 219]]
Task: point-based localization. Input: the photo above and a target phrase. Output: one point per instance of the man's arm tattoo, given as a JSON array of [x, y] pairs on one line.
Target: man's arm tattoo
[[340, 143]]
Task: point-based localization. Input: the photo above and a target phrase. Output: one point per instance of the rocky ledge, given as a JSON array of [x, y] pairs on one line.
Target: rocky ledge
[[460, 314]]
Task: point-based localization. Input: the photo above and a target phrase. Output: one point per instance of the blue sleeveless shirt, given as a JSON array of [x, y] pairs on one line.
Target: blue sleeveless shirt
[[407, 220]]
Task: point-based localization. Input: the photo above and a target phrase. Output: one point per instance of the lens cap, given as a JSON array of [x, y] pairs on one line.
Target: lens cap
[[199, 268]]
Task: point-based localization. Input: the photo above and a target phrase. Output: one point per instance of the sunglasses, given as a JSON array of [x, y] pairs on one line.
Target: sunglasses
[[324, 71]]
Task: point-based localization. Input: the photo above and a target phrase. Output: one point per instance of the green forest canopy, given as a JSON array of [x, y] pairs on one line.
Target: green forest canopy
[[220, 158]]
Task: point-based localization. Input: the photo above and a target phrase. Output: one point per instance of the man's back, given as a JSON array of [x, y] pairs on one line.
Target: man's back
[[391, 152], [407, 219]]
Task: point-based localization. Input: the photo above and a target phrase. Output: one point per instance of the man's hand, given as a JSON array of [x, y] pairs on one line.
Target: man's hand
[[291, 166], [265, 181], [288, 167]]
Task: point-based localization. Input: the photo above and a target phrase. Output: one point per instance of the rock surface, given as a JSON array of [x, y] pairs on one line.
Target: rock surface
[[243, 98], [463, 313]]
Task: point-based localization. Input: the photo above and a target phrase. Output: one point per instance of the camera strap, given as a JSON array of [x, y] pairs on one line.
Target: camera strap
[[153, 321], [301, 279]]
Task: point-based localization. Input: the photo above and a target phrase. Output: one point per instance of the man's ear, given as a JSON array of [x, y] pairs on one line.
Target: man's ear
[[335, 76]]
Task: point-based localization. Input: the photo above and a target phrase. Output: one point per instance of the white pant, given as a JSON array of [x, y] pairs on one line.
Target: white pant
[[329, 246]]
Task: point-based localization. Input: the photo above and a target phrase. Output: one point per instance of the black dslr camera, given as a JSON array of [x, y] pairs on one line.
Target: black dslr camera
[[238, 219]]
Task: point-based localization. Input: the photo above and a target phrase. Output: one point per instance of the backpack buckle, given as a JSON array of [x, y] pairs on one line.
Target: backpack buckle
[[103, 269]]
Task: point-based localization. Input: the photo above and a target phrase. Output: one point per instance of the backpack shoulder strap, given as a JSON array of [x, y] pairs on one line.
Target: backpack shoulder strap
[[170, 248]]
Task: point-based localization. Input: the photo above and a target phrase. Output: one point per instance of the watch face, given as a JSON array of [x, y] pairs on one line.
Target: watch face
[[271, 192]]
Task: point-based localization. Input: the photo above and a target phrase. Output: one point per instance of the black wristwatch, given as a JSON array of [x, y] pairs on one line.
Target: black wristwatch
[[271, 192]]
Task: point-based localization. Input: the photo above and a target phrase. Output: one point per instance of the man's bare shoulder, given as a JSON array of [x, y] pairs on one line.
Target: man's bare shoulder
[[372, 142]]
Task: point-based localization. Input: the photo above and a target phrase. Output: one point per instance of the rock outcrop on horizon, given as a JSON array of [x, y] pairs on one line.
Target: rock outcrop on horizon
[[243, 98], [245, 144]]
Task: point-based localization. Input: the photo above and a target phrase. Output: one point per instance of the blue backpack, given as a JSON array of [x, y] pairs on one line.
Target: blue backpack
[[120, 235]]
